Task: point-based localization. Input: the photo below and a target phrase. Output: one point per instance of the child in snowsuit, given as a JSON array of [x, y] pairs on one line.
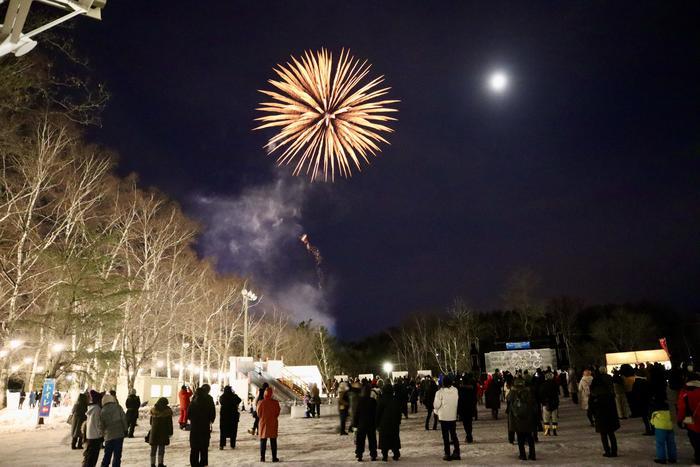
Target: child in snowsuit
[[663, 431]]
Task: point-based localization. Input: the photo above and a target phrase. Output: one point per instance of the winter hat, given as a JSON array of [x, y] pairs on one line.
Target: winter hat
[[268, 393], [95, 397], [108, 399]]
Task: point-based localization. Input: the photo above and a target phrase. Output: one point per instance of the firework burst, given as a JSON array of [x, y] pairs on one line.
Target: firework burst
[[328, 120]]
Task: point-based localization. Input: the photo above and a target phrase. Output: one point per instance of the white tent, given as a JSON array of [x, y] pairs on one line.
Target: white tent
[[616, 359]]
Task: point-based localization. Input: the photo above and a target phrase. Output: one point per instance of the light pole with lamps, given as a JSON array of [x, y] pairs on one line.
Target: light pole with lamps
[[248, 296]]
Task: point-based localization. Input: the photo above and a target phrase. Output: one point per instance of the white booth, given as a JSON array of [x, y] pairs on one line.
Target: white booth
[[613, 360], [149, 388]]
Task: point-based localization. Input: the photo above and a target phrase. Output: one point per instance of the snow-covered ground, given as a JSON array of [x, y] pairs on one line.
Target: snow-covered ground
[[315, 441]]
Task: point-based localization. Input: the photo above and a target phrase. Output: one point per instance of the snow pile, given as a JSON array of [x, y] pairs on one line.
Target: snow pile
[[13, 420]]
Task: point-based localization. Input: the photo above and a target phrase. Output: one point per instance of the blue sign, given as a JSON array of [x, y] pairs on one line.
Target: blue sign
[[517, 345], [47, 397]]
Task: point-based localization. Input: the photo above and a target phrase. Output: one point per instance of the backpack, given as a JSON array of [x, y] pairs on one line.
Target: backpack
[[519, 406]]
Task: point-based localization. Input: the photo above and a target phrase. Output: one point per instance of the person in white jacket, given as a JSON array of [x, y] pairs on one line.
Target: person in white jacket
[[93, 430], [584, 393], [445, 406]]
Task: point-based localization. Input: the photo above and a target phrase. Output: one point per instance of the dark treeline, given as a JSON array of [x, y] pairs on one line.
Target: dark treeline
[[446, 340]]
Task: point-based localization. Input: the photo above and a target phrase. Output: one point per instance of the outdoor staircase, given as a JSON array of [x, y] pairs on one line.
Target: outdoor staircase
[[286, 389]]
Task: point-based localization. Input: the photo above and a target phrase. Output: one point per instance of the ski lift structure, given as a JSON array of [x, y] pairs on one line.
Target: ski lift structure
[[14, 41]]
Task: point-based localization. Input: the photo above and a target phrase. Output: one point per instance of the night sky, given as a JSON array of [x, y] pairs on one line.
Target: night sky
[[586, 171]]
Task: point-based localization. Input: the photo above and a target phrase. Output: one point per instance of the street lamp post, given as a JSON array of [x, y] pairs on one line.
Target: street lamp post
[[248, 296]]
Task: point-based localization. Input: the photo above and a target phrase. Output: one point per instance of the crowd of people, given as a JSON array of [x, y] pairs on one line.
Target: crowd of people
[[35, 397], [98, 422], [374, 409], [660, 398]]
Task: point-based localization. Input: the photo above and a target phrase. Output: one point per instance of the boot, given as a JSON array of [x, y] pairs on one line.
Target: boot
[[546, 429], [555, 427]]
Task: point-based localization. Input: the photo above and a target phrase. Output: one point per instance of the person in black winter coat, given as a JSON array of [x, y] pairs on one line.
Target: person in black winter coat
[[549, 399], [466, 406], [428, 399], [228, 417], [401, 391], [366, 423], [201, 414], [388, 423], [413, 395], [161, 430], [639, 401], [602, 404], [522, 416], [79, 415], [133, 403]]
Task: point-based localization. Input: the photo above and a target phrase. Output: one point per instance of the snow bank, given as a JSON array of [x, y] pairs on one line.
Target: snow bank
[[14, 420]]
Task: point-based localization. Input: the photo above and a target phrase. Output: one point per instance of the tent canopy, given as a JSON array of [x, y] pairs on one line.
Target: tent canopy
[[639, 356]]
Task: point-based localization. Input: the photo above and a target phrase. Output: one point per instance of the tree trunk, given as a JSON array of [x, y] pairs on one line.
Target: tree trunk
[[35, 363], [3, 384], [167, 358], [181, 373]]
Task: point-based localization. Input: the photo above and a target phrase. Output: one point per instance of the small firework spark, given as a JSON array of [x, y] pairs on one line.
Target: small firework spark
[[328, 120], [318, 259]]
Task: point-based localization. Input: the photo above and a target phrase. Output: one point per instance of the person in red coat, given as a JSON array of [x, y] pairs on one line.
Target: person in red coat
[[688, 414], [268, 412], [185, 395]]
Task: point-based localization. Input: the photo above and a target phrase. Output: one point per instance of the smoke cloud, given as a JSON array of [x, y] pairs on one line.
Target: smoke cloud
[[257, 234]]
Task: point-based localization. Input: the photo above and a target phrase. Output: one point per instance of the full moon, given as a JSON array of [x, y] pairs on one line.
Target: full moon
[[498, 82]]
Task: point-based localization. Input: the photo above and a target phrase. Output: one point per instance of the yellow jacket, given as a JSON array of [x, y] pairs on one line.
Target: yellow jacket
[[661, 419]]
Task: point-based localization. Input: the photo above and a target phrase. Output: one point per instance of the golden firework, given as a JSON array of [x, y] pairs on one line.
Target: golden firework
[[328, 119]]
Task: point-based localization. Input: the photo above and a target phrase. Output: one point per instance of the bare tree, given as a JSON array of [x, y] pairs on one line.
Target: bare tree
[[623, 331], [563, 313], [521, 297]]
